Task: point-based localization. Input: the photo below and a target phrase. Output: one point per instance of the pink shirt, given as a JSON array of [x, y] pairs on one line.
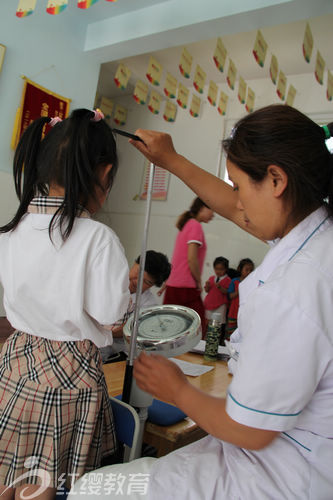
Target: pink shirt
[[181, 276]]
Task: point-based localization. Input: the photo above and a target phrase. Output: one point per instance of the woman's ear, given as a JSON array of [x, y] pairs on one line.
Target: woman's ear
[[278, 178]]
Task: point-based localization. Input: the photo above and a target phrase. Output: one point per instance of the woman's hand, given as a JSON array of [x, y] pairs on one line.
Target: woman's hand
[[159, 376], [156, 146]]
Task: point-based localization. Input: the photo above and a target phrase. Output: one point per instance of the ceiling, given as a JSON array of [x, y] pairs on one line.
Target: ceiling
[[284, 41]]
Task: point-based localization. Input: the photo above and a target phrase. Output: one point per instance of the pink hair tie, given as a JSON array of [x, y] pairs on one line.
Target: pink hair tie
[[98, 115], [54, 121]]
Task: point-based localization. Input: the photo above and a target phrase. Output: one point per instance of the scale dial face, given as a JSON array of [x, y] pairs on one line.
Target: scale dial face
[[169, 329]]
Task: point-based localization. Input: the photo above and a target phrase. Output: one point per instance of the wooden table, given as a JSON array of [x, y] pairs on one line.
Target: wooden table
[[169, 438]]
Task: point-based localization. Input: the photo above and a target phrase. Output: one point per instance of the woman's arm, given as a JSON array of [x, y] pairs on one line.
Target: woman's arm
[[163, 379], [193, 263]]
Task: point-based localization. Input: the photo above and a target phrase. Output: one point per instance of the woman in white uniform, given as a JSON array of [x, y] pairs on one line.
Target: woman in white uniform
[[272, 437]]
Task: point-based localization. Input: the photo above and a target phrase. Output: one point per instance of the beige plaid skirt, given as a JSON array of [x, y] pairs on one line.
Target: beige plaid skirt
[[55, 414]]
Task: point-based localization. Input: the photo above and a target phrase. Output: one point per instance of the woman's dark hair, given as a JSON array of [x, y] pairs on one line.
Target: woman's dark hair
[[195, 208], [69, 156], [280, 135], [221, 260], [157, 266]]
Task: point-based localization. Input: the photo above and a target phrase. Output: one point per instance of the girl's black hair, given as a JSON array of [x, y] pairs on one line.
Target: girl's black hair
[[69, 156], [283, 136], [221, 260], [195, 208], [244, 262]]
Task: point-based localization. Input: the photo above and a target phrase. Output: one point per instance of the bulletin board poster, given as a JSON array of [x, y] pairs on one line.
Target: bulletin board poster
[[106, 106], [329, 92], [185, 63], [195, 106], [250, 100], [199, 79], [37, 101], [154, 71], [170, 86], [120, 115], [223, 102], [122, 76], [160, 183], [242, 90], [154, 103], [281, 86], [260, 49], [170, 111], [140, 93], [320, 67], [307, 43], [182, 98], [220, 55], [291, 95], [274, 69], [212, 93], [231, 76]]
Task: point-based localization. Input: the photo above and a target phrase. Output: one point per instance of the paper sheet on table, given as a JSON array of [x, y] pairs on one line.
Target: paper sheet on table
[[192, 369], [223, 351]]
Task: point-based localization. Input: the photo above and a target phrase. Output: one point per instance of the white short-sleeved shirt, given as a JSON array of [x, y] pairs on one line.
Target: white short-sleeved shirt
[[63, 291]]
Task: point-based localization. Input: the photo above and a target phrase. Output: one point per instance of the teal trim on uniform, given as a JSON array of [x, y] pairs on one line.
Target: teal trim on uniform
[[308, 238], [261, 411], [293, 439]]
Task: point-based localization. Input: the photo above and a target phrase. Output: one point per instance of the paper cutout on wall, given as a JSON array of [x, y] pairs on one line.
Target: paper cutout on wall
[[140, 92], [106, 106], [212, 93], [232, 72], [154, 71], [250, 100], [260, 49], [222, 107], [199, 79], [182, 98], [320, 67], [274, 69], [329, 92], [170, 86], [281, 86], [185, 63], [307, 43], [122, 76], [170, 111], [25, 8], [55, 7], [85, 4], [120, 115], [291, 95], [195, 106], [220, 55], [242, 90], [154, 102], [160, 183]]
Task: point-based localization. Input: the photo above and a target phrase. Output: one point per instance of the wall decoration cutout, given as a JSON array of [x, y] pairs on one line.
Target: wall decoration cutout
[[140, 93], [242, 90], [223, 102], [199, 79], [281, 86], [260, 49], [25, 8], [320, 67], [55, 7], [250, 100], [182, 98], [170, 111], [185, 63], [106, 106], [212, 93], [195, 106], [154, 102], [122, 76], [120, 115], [232, 72], [307, 43], [220, 55], [291, 95], [170, 86], [2, 55], [154, 71], [274, 69], [85, 4]]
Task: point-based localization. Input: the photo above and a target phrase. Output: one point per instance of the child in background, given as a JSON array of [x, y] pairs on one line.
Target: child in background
[[216, 287], [64, 276], [245, 267]]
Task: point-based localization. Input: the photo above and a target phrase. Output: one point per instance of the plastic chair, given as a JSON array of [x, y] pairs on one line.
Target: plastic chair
[[127, 426]]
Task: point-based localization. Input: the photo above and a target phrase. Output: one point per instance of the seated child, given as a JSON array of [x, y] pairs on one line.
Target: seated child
[[245, 267]]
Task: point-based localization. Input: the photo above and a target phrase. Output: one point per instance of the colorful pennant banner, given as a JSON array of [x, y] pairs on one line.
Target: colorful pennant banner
[[154, 71], [120, 115], [195, 106], [185, 63], [242, 90], [291, 95], [250, 100], [170, 86], [260, 49], [25, 8], [170, 111], [154, 102], [281, 86], [55, 7], [307, 43], [222, 107], [329, 92], [140, 92], [182, 98], [212, 93], [320, 67], [199, 79], [220, 55], [274, 69], [122, 76], [232, 72], [85, 4]]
